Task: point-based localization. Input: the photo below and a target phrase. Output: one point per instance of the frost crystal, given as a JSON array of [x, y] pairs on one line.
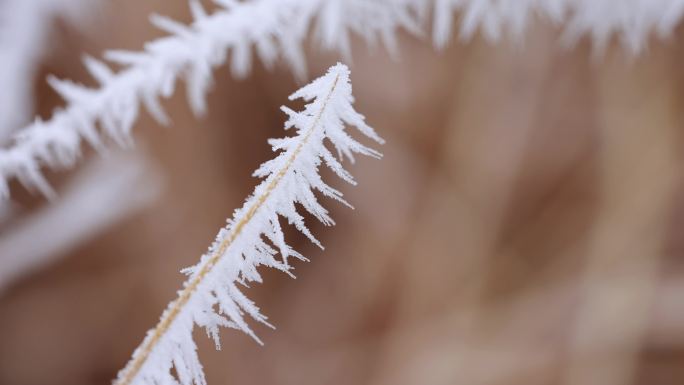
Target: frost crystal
[[211, 297], [631, 20], [270, 28], [277, 29]]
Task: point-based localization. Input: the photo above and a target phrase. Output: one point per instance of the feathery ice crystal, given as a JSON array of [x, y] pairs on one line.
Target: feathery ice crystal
[[278, 28], [632, 21], [272, 28], [211, 297]]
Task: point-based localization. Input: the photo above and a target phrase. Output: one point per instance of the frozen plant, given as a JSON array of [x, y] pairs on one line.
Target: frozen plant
[[273, 28], [211, 297], [631, 20], [277, 29]]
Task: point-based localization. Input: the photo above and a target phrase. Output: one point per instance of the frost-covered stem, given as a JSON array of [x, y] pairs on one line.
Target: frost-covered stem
[[631, 21], [134, 366], [270, 28], [190, 51]]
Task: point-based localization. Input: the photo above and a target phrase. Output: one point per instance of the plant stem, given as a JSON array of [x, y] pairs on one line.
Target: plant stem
[[134, 365]]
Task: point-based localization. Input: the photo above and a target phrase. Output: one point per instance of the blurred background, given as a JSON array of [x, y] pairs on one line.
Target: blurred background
[[524, 227]]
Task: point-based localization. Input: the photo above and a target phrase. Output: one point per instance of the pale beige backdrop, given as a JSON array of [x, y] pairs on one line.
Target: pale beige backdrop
[[524, 226]]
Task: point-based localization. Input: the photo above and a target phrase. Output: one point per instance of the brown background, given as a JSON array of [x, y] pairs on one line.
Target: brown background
[[524, 226]]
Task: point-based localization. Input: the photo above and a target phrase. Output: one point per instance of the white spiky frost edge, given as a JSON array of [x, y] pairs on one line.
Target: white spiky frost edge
[[273, 28], [253, 237], [278, 28], [632, 21]]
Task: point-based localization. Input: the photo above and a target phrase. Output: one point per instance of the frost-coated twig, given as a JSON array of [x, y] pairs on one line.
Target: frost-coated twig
[[277, 28], [273, 27], [253, 237]]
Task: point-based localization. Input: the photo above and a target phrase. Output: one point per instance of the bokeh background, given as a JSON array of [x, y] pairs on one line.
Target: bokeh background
[[524, 226]]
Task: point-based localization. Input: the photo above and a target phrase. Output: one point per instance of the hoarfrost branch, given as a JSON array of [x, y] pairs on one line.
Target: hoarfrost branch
[[277, 28], [273, 28], [253, 237], [632, 21]]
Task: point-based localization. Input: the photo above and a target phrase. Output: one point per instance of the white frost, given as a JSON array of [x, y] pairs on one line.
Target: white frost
[[275, 29], [632, 21], [272, 28], [211, 298]]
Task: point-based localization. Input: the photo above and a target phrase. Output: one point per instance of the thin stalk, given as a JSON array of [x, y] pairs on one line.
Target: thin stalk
[[133, 367]]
